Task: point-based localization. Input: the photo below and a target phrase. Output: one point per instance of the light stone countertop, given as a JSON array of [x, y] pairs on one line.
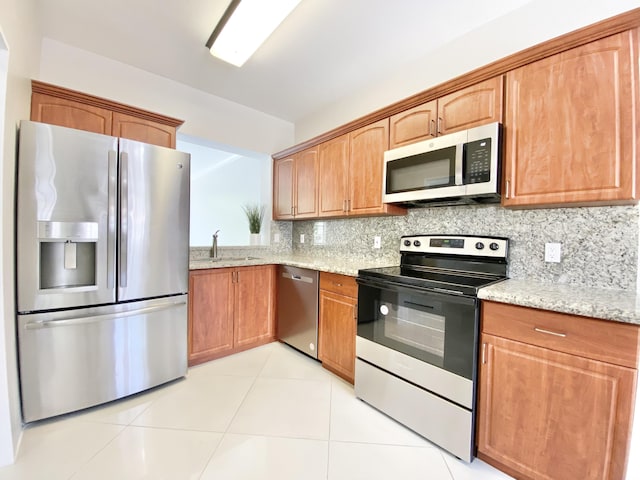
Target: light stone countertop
[[605, 304], [617, 305], [343, 266]]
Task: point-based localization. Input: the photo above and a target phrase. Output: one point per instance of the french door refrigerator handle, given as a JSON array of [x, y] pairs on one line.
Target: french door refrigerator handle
[[124, 212], [111, 217], [69, 322]]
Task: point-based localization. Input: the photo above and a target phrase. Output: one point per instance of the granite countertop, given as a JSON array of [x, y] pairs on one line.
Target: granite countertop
[[605, 304], [616, 305], [344, 266]]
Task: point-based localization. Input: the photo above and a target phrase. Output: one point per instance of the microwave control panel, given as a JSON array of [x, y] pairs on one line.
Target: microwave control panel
[[477, 161]]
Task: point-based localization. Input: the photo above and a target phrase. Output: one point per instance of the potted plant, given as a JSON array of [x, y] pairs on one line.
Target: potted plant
[[255, 215]]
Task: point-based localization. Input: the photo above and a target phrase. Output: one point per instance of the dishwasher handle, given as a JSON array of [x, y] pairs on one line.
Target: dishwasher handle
[[297, 278]]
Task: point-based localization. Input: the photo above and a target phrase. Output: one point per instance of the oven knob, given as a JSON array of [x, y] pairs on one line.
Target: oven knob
[[494, 246], [479, 245], [407, 243], [416, 243]]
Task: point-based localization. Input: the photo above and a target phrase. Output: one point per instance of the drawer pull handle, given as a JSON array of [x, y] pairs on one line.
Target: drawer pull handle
[[337, 284], [549, 332]]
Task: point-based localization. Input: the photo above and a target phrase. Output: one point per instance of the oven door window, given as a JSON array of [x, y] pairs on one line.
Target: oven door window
[[436, 328], [422, 171]]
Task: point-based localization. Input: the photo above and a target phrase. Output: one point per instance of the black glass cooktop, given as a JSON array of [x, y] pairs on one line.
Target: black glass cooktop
[[460, 282]]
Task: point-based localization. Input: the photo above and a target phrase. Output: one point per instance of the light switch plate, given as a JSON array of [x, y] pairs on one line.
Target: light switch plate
[[276, 238], [377, 242], [302, 238]]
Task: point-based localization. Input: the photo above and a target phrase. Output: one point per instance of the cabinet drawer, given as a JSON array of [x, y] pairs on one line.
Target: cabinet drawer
[[340, 284], [607, 341]]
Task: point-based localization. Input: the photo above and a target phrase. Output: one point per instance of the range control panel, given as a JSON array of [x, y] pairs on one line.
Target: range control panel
[[471, 245]]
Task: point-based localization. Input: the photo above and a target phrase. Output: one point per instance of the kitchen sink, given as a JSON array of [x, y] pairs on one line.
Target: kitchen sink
[[224, 259]]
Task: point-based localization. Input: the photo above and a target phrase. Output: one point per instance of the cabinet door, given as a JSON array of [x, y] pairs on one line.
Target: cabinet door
[[283, 189], [306, 184], [337, 334], [470, 107], [549, 415], [413, 125], [334, 176], [134, 128], [254, 305], [210, 314], [67, 113], [569, 124]]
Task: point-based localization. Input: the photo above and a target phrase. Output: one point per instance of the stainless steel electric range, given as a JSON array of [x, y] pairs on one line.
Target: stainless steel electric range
[[417, 338]]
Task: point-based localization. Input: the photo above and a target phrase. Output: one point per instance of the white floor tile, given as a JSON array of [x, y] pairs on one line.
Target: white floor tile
[[245, 364], [152, 453], [56, 449], [358, 461], [285, 407], [259, 458], [476, 470], [203, 403], [286, 362], [352, 420]]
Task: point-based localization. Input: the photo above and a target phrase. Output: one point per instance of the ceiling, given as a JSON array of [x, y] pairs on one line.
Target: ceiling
[[324, 51]]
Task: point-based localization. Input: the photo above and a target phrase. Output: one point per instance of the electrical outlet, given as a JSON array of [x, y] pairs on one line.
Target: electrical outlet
[[377, 242], [552, 252], [276, 238], [302, 238]]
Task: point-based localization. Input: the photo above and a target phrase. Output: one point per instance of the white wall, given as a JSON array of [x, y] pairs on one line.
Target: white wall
[[206, 116], [535, 22], [222, 181], [19, 27]]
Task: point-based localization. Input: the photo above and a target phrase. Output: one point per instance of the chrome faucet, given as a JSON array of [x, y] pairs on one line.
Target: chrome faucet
[[213, 253]]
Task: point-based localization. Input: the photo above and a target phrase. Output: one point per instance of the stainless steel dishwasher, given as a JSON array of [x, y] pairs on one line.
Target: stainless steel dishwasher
[[298, 308]]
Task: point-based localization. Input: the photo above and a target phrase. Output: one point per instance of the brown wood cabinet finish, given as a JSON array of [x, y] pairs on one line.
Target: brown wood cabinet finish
[[556, 393], [570, 126], [351, 169], [295, 186], [333, 187], [210, 314], [337, 324], [470, 107], [69, 108], [230, 310]]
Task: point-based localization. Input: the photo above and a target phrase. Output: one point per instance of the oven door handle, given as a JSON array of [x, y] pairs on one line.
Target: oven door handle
[[397, 287]]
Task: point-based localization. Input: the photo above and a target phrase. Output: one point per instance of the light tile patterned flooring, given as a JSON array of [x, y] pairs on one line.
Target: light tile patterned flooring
[[268, 413]]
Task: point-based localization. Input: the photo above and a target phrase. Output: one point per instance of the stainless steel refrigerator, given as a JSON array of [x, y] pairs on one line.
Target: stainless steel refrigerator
[[102, 257]]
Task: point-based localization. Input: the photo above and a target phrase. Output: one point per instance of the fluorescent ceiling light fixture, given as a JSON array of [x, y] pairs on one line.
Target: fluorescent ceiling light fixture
[[245, 25]]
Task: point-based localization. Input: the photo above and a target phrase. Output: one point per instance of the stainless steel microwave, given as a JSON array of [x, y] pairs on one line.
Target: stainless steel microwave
[[458, 168]]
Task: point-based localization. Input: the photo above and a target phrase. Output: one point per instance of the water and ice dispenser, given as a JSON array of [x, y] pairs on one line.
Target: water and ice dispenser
[[67, 254]]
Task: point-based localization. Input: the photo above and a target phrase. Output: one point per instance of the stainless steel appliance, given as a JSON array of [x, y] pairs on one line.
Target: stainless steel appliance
[[417, 337], [458, 168], [102, 267], [298, 308]]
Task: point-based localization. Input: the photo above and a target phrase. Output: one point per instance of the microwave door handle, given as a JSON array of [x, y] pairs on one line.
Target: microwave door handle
[[459, 162]]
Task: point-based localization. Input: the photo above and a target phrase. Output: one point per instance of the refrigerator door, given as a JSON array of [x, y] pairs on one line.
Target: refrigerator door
[[65, 218], [75, 359], [153, 256]]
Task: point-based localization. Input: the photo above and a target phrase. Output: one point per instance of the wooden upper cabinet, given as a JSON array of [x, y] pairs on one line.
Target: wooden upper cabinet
[[334, 176], [413, 125], [368, 145], [470, 107], [67, 113], [570, 126], [134, 128], [69, 108], [306, 184], [283, 189]]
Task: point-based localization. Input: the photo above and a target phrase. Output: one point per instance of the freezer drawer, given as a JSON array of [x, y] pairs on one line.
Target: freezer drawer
[[75, 359]]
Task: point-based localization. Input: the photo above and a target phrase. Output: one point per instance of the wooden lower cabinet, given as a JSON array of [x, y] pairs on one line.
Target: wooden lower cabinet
[[549, 414], [230, 310], [337, 324]]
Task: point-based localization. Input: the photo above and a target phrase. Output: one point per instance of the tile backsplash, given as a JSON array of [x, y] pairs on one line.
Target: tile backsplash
[[599, 244]]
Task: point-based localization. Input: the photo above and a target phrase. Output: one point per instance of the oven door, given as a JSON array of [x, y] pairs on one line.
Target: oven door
[[436, 328]]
